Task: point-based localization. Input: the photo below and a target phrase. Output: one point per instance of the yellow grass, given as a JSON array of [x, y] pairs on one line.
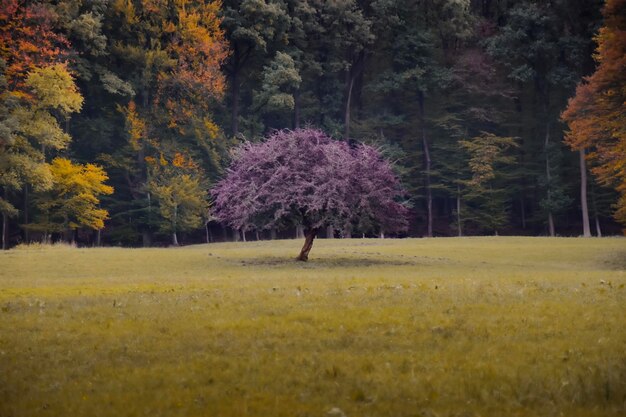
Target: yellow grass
[[416, 327]]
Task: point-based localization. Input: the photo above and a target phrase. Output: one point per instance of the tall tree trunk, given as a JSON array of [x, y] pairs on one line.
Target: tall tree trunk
[[5, 231], [174, 221], [347, 109], [146, 238], [548, 177], [98, 238], [296, 109], [583, 194], [207, 234], [26, 219], [256, 234], [243, 235], [598, 229], [309, 236], [299, 231], [234, 115], [330, 232], [595, 212], [458, 210], [427, 165]]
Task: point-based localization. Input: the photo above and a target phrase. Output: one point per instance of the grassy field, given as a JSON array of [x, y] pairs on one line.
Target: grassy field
[[418, 327]]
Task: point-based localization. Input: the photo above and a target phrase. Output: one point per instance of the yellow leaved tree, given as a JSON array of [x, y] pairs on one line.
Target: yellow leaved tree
[[73, 200]]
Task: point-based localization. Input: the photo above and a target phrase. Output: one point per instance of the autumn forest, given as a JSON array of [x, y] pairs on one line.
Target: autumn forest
[[118, 117]]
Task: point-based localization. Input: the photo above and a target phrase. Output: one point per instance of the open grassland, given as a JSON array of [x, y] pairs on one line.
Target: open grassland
[[417, 327]]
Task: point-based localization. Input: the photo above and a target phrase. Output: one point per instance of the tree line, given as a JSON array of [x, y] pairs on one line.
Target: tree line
[[118, 116]]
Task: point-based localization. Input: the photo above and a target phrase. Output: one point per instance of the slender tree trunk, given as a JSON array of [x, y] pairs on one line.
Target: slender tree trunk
[[458, 210], [347, 109], [548, 177], [146, 238], [522, 203], [595, 212], [330, 232], [551, 225], [309, 236], [427, 165], [234, 115], [296, 109], [26, 217], [5, 231], [207, 235], [583, 194], [256, 234], [99, 237], [429, 191], [174, 236], [299, 231], [243, 235]]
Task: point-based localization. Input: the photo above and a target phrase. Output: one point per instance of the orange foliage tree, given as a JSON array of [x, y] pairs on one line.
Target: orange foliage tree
[[28, 39], [596, 115]]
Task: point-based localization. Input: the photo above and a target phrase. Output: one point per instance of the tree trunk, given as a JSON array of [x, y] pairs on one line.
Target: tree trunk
[[5, 230], [98, 237], [583, 194], [146, 238], [347, 110], [243, 235], [273, 233], [299, 231], [26, 219], [174, 222], [330, 232], [207, 233], [256, 234], [427, 166], [458, 210], [550, 217], [234, 115], [551, 225], [595, 212], [309, 236], [296, 109]]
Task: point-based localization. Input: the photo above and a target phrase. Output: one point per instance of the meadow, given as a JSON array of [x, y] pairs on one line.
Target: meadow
[[461, 327]]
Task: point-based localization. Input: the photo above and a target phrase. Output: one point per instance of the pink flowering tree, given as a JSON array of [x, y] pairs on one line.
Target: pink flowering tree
[[305, 177]]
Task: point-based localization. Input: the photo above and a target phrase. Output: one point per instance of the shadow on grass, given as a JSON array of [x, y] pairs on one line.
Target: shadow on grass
[[614, 261], [339, 262]]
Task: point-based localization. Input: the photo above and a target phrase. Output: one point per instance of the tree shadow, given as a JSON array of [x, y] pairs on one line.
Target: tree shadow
[[338, 262]]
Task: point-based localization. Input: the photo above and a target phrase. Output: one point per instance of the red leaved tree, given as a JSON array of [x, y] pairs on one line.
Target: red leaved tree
[[305, 177], [597, 114]]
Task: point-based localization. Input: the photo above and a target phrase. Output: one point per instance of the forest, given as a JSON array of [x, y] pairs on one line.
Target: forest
[[117, 117]]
